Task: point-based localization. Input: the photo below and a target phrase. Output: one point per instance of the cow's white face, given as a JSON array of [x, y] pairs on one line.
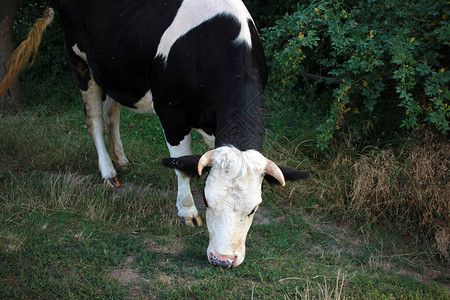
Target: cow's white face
[[232, 193]]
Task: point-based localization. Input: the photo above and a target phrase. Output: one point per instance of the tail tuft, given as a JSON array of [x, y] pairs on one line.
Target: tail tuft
[[27, 50]]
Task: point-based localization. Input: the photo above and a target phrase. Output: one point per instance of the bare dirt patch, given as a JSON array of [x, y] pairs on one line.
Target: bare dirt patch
[[346, 242], [341, 234], [262, 217], [173, 247], [126, 276], [129, 276]]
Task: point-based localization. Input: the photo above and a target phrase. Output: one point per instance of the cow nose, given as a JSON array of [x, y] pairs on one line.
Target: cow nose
[[223, 261]]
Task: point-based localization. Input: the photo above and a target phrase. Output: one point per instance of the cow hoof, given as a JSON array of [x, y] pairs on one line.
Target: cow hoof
[[198, 221], [123, 166], [113, 182], [193, 222]]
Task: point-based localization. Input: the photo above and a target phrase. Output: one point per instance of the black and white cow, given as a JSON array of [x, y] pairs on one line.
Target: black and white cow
[[197, 64]]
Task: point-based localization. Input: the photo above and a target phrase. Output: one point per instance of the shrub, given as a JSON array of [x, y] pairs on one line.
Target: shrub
[[343, 62], [266, 12]]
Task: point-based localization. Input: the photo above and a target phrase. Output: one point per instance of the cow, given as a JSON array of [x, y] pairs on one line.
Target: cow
[[198, 65]]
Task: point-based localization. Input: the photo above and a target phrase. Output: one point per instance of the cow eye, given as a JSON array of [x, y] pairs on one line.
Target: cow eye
[[253, 211]]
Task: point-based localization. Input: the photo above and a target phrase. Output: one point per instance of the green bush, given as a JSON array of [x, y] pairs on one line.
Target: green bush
[[346, 62], [266, 12]]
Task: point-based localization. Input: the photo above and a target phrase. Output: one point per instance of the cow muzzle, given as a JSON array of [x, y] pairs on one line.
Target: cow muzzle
[[222, 261]]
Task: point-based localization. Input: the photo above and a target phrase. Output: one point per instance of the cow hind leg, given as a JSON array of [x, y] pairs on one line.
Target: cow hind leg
[[187, 212], [111, 117], [92, 98]]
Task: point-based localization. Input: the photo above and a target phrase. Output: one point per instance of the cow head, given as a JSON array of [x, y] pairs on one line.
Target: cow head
[[232, 195]]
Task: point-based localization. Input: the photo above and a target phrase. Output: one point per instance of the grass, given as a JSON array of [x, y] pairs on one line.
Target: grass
[[63, 234]]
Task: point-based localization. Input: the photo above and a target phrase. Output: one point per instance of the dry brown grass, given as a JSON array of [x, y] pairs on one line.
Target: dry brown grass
[[321, 288], [409, 190], [127, 206]]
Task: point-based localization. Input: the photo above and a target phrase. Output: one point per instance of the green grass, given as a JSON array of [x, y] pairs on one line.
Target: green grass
[[63, 234]]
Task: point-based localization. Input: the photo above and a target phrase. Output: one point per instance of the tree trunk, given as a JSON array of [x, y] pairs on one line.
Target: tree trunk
[[8, 8]]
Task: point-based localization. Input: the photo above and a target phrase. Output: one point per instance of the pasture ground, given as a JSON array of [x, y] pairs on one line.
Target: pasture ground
[[63, 234]]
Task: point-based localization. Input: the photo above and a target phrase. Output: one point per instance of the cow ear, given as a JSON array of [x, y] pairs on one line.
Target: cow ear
[[289, 175], [186, 164]]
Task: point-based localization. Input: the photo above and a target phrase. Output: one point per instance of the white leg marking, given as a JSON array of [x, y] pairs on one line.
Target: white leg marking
[[192, 13], [210, 140], [185, 201], [94, 117], [79, 52], [111, 116]]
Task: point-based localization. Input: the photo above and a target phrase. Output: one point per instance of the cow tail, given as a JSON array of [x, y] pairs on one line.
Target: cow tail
[[27, 50]]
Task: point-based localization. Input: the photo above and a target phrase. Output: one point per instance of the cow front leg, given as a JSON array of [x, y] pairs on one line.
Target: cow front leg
[[111, 117], [187, 211], [92, 98]]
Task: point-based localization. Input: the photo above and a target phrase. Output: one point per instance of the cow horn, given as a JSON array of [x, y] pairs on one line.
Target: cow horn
[[273, 170], [205, 161]]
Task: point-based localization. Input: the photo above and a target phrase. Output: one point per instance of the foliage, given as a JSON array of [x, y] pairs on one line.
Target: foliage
[[266, 12], [343, 62]]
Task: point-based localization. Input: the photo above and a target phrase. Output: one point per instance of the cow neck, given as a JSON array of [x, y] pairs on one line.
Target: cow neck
[[242, 126]]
